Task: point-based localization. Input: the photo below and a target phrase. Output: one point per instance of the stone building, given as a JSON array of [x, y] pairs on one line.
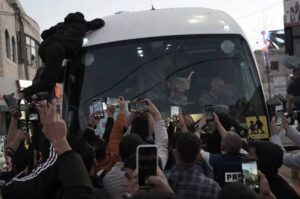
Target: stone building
[[19, 41], [275, 79]]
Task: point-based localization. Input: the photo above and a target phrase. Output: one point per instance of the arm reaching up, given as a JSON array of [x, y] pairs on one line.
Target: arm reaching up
[[160, 132], [74, 180]]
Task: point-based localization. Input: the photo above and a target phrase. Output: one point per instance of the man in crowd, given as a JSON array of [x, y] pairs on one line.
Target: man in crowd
[[293, 95], [186, 177], [291, 160], [269, 159], [226, 166], [72, 181]]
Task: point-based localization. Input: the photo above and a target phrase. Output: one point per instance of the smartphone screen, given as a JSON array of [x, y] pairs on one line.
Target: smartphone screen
[[147, 162], [209, 111], [33, 117], [279, 117], [174, 113], [98, 107], [112, 101], [138, 106], [250, 174]]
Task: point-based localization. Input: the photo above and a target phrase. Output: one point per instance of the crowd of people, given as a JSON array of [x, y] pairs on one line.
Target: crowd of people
[[58, 164], [44, 160]]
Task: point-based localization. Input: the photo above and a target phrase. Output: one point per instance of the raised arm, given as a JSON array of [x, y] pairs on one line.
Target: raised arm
[[109, 122], [117, 131], [291, 160], [222, 131], [74, 180], [13, 127], [160, 132], [292, 133]]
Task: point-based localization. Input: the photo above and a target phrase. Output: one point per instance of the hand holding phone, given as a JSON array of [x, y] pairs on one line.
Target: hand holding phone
[[139, 106], [250, 174], [98, 109], [112, 101], [209, 111], [174, 113], [279, 117], [147, 163]]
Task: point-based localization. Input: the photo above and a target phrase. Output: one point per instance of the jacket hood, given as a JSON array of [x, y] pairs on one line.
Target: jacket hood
[[270, 157], [74, 17]]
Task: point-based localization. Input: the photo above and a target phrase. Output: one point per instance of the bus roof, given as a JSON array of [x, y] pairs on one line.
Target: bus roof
[[163, 22]]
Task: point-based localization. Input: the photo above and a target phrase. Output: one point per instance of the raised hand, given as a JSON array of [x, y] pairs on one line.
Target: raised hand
[[54, 128]]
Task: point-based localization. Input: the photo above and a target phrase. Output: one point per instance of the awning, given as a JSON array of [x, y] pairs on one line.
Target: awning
[[8, 86]]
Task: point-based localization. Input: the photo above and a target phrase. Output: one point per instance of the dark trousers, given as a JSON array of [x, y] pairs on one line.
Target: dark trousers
[[52, 54]]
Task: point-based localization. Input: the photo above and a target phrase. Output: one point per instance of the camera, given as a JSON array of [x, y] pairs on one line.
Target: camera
[[38, 97]]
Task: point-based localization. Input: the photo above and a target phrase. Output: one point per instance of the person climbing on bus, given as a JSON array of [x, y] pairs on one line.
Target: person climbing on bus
[[62, 41]]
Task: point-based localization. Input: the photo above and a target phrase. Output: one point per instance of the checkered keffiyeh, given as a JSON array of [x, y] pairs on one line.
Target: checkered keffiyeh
[[190, 182]]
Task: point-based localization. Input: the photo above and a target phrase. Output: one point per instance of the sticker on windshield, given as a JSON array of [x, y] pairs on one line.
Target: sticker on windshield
[[227, 46], [257, 127]]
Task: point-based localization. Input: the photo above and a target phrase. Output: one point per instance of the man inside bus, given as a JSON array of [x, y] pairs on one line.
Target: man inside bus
[[293, 95], [62, 41], [215, 94]]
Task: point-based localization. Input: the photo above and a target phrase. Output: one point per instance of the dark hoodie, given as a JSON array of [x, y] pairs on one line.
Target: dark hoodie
[[70, 33], [270, 158]]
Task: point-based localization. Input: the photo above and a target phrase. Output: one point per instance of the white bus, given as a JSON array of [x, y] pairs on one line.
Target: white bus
[[152, 54]]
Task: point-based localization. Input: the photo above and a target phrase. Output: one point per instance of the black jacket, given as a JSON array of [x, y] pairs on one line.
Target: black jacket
[[270, 157], [74, 179], [70, 33]]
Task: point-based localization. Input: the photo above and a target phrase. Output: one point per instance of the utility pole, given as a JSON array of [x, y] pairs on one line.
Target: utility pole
[[22, 38], [267, 59]]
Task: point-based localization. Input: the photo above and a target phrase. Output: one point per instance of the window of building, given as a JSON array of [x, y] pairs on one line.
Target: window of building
[[32, 47], [7, 43], [274, 65], [14, 49]]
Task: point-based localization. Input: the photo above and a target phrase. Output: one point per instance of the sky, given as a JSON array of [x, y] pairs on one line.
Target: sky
[[253, 15]]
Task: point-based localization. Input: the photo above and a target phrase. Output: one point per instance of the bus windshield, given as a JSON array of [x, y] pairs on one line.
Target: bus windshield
[[186, 71]]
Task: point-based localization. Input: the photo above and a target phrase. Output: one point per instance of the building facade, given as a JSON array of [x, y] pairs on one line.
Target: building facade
[[276, 77], [19, 42]]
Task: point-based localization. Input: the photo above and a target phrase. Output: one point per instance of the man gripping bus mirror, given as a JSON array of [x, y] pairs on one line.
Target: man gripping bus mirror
[[62, 41]]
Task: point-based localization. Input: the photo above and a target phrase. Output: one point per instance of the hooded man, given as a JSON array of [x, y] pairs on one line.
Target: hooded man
[[269, 158], [62, 41]]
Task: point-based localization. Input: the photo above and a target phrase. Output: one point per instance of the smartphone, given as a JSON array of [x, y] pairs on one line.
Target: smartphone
[[24, 126], [250, 174], [209, 111], [279, 117], [33, 117], [174, 113], [147, 163], [112, 101], [98, 108], [138, 106]]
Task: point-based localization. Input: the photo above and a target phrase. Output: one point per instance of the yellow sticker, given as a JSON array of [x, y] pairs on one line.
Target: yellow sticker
[[196, 117], [257, 127]]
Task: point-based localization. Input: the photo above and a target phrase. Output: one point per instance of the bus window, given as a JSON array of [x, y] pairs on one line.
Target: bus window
[[188, 71]]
